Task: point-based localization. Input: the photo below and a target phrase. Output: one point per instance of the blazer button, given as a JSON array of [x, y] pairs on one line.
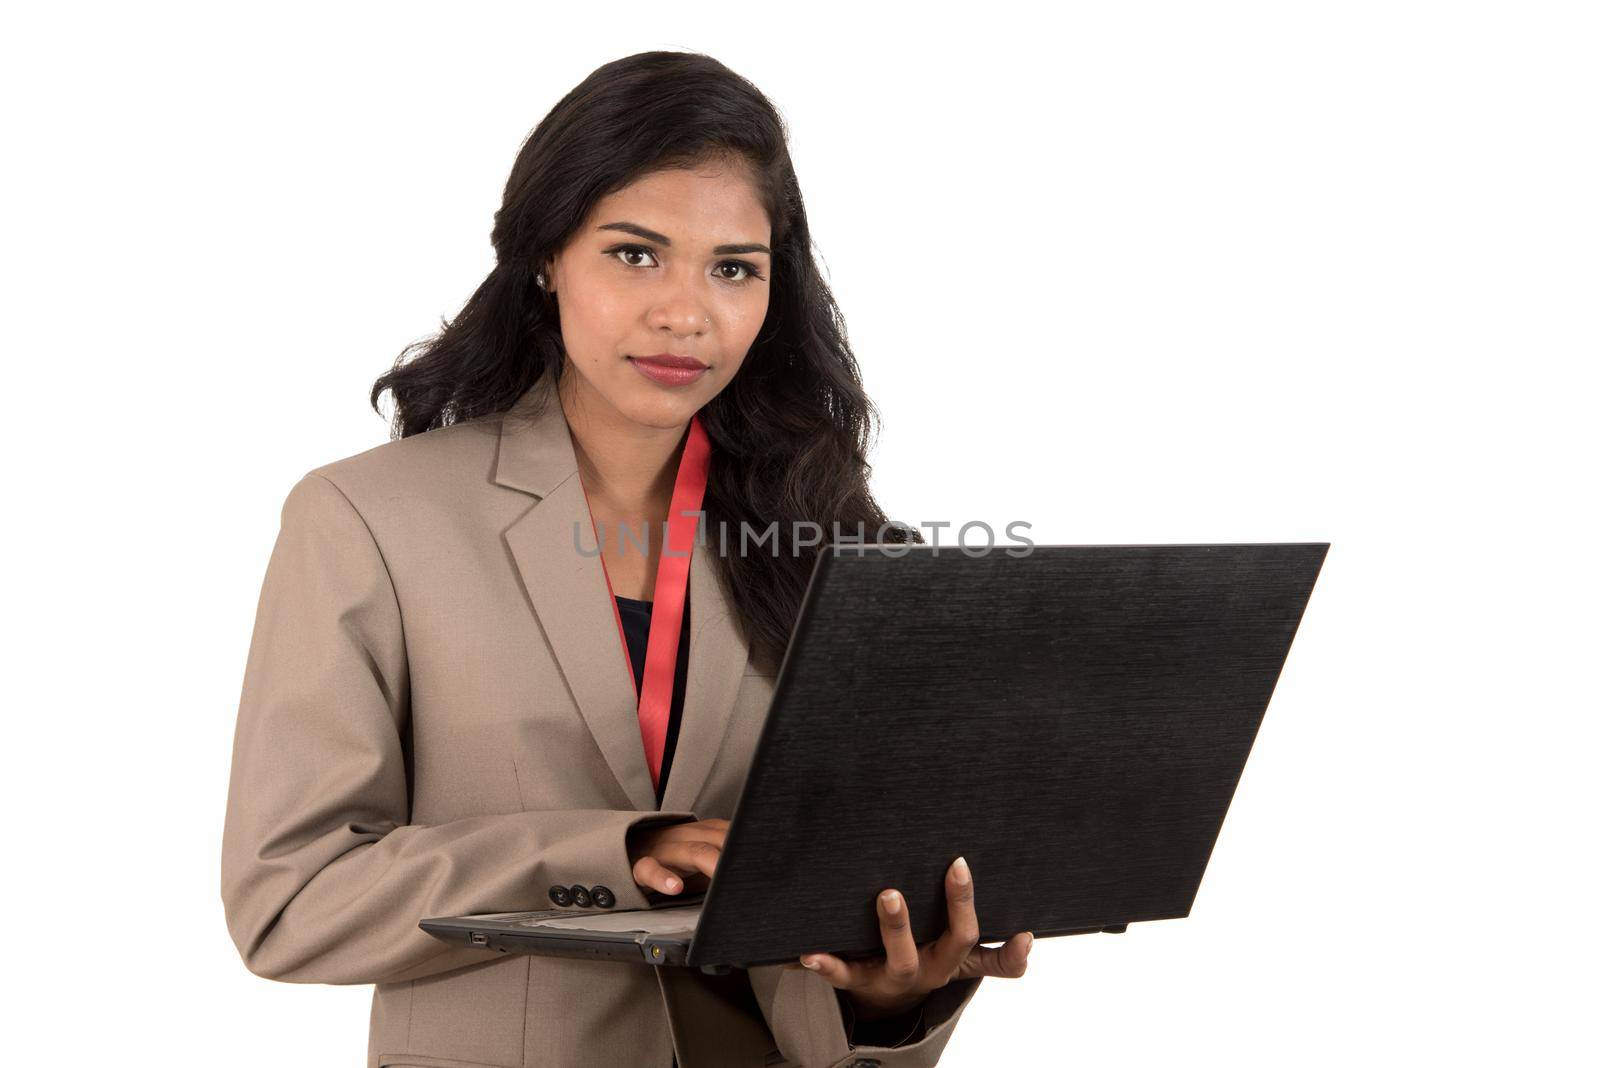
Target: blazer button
[[603, 897], [580, 896], [561, 895]]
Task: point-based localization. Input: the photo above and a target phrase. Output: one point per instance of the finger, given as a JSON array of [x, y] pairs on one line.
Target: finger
[[697, 856], [650, 872], [1007, 962], [707, 830], [950, 950], [839, 973], [713, 831], [902, 962]]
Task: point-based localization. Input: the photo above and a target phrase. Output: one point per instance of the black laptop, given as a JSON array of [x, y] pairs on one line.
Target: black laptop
[[1073, 720]]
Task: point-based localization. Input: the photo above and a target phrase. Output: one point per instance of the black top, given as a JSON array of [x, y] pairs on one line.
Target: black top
[[636, 625]]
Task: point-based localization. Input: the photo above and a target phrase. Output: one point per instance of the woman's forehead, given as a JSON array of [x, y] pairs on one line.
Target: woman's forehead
[[686, 208]]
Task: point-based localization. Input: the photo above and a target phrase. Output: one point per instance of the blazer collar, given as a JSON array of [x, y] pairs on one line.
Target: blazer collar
[[536, 453], [569, 596]]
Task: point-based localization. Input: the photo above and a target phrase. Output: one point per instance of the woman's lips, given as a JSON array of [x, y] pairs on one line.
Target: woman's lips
[[668, 373]]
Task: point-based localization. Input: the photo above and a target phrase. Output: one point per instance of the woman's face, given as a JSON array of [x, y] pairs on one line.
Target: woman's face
[[675, 264]]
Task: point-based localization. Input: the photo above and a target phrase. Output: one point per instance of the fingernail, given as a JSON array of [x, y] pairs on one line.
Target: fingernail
[[962, 872], [891, 902], [810, 962], [1027, 945], [673, 885]]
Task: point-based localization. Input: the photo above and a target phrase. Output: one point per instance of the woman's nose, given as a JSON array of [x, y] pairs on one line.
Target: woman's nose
[[683, 310]]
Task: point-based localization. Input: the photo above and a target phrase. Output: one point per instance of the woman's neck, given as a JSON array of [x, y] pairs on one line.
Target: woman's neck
[[628, 470]]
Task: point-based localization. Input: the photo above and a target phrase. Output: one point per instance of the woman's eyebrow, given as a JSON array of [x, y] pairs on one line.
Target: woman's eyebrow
[[662, 239]]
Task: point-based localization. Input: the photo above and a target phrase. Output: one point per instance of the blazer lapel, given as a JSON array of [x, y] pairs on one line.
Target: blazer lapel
[[718, 654], [569, 596]]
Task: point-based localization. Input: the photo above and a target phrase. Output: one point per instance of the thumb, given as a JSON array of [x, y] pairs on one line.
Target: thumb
[[1009, 961], [831, 968]]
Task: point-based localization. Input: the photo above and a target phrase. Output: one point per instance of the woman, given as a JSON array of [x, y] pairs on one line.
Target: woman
[[453, 706]]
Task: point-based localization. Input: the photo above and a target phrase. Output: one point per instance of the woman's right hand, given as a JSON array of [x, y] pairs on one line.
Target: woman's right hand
[[667, 859]]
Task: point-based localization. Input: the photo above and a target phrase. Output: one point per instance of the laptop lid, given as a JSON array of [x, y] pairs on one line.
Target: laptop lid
[[1073, 721]]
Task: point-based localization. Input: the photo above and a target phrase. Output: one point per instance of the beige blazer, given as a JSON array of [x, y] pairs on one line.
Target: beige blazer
[[437, 720]]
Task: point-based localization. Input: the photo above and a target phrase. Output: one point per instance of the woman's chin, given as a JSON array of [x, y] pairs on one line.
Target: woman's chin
[[662, 411]]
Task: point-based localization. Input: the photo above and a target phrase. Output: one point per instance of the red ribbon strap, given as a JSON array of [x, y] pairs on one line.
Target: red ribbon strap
[[671, 594]]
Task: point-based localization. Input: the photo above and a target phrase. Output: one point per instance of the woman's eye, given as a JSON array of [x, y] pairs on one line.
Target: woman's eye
[[632, 250], [749, 271]]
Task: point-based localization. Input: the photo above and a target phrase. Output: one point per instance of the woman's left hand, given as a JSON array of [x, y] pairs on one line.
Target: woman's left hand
[[899, 980]]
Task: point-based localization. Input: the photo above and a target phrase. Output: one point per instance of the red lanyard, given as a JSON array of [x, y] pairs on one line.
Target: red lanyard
[[671, 593]]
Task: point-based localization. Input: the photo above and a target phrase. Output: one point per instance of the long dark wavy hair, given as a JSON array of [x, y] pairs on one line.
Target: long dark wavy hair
[[789, 434]]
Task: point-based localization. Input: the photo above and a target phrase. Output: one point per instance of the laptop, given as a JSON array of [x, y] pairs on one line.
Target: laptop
[[1071, 719]]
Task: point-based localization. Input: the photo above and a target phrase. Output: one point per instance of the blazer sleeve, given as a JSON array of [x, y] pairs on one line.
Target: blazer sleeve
[[810, 1026], [324, 878]]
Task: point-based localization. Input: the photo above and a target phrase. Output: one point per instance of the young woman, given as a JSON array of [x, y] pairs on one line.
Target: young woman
[[452, 705]]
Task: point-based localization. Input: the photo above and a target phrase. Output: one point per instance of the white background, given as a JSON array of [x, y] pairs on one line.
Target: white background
[[1133, 273]]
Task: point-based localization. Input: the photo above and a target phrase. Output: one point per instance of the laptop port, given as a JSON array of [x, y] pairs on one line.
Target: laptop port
[[479, 939]]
